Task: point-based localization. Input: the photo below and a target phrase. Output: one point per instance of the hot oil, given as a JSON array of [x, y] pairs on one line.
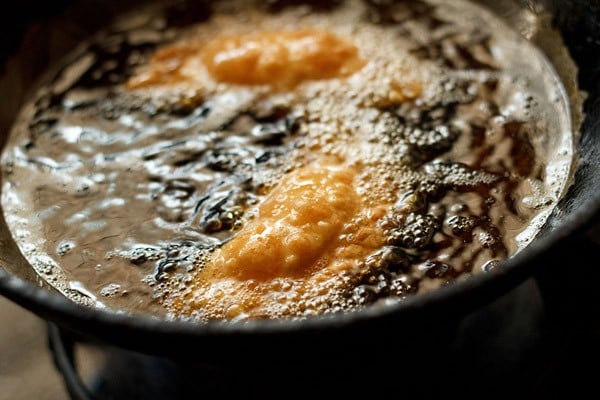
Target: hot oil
[[121, 195]]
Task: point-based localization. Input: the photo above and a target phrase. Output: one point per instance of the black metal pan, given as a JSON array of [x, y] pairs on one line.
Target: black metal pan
[[28, 45]]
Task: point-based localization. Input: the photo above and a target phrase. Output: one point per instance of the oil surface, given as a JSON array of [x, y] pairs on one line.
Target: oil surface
[[141, 176]]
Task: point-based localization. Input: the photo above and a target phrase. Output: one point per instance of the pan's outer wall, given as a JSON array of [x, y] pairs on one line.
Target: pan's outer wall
[[423, 318]]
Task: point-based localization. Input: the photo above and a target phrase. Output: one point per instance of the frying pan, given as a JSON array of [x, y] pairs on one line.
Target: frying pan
[[39, 34]]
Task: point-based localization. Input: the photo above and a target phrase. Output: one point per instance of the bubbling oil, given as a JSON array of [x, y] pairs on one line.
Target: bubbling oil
[[287, 160]]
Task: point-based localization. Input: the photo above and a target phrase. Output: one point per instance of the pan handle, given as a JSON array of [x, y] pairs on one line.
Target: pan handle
[[62, 346]]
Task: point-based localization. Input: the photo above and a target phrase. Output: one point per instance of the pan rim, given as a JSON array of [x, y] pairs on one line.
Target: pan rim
[[59, 308]]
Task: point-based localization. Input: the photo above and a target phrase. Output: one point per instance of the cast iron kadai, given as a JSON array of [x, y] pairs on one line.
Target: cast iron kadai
[[427, 319]]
